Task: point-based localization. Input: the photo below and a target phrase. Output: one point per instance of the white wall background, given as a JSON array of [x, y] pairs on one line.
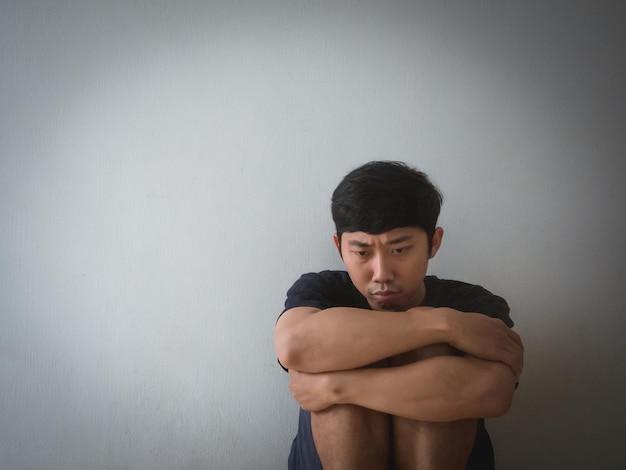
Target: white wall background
[[165, 174]]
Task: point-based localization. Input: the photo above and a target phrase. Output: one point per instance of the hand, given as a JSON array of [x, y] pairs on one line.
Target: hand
[[488, 338], [314, 392]]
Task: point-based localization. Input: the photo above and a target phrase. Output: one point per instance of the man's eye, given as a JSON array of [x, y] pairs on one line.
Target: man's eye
[[400, 250], [360, 253]]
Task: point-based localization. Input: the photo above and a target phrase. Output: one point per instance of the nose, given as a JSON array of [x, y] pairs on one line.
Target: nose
[[382, 271]]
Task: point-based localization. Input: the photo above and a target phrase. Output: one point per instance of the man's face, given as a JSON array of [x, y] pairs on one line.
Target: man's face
[[389, 268]]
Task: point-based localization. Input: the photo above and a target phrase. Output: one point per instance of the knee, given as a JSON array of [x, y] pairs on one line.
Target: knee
[[348, 436], [348, 413], [352, 418]]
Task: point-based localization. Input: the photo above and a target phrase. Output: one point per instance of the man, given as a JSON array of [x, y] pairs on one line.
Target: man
[[393, 368]]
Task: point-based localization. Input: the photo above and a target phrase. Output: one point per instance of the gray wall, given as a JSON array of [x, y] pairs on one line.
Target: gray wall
[[165, 174]]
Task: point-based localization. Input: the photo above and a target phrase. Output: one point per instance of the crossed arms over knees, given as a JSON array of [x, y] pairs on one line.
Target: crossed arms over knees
[[326, 351]]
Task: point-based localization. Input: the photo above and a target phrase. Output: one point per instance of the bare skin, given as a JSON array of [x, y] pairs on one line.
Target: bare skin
[[351, 437], [372, 440], [430, 445]]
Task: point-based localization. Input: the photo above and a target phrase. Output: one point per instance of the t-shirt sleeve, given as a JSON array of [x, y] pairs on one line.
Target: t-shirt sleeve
[[323, 290], [467, 298], [479, 300], [311, 290]]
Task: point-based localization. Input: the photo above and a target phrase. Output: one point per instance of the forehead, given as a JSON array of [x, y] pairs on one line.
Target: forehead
[[395, 236]]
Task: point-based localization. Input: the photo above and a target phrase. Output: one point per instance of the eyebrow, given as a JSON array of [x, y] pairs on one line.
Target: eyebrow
[[395, 241]]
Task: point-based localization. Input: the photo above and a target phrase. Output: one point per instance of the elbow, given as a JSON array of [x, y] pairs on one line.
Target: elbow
[[498, 397], [498, 405], [288, 349]]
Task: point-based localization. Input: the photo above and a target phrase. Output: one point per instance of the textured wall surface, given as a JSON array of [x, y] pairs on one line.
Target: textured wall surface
[[165, 175]]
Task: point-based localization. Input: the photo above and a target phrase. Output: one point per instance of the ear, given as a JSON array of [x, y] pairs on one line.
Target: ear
[[337, 244], [436, 243]]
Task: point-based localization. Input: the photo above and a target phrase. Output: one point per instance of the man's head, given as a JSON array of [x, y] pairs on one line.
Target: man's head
[[385, 215], [381, 196]]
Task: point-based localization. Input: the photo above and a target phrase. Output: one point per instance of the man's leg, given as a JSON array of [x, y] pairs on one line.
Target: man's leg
[[431, 446], [349, 437]]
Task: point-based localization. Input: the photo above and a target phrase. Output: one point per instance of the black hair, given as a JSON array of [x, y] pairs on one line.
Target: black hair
[[383, 195]]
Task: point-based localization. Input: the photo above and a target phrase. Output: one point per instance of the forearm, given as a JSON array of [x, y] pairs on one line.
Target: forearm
[[439, 389], [349, 338], [312, 340]]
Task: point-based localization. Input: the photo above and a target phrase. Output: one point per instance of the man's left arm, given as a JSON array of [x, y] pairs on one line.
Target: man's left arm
[[437, 389]]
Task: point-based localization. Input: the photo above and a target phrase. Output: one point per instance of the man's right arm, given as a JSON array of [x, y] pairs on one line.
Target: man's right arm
[[312, 340]]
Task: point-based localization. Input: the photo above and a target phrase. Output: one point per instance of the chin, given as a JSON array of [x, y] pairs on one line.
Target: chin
[[387, 307]]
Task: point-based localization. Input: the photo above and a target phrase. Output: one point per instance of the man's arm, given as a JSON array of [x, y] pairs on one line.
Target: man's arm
[[438, 389], [313, 340]]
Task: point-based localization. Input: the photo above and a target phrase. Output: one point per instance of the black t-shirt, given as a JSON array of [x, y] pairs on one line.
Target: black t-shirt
[[329, 289]]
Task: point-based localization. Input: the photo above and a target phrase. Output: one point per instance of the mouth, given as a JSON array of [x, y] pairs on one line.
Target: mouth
[[384, 295]]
